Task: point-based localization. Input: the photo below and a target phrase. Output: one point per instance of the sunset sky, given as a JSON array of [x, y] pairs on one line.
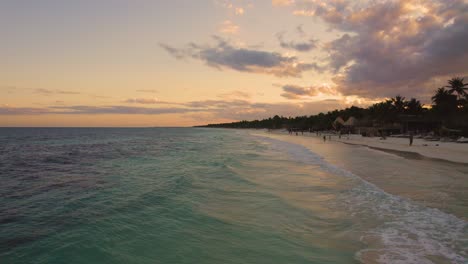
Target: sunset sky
[[186, 62]]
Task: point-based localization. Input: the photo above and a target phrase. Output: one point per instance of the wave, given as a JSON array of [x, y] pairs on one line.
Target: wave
[[406, 233]]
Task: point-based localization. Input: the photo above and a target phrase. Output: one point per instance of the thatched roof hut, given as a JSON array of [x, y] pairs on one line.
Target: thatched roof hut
[[352, 121], [339, 122]]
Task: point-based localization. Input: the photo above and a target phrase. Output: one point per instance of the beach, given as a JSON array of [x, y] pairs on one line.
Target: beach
[[448, 151]]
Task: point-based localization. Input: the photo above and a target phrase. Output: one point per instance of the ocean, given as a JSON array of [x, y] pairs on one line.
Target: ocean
[[194, 195]]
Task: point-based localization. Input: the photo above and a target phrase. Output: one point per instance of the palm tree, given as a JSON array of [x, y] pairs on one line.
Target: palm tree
[[413, 107], [456, 85], [383, 111], [444, 101], [399, 103]]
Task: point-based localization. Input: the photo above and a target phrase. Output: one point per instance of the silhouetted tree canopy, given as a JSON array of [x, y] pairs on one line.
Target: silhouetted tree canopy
[[449, 108]]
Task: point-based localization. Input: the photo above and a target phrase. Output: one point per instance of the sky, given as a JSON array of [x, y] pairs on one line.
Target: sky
[[182, 62]]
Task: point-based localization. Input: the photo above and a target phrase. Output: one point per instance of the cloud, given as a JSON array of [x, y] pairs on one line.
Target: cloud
[[301, 92], [300, 31], [390, 47], [265, 110], [230, 110], [177, 53], [142, 100], [8, 110], [49, 91], [119, 109], [95, 110], [219, 104], [302, 46], [224, 55], [8, 89], [99, 96], [147, 91], [282, 2], [228, 27], [239, 11], [235, 94], [235, 8]]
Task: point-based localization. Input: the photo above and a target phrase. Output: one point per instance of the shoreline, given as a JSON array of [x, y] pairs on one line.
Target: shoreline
[[434, 182], [421, 149], [442, 151], [406, 154]]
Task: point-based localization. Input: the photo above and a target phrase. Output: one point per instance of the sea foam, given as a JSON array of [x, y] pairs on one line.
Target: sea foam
[[407, 233]]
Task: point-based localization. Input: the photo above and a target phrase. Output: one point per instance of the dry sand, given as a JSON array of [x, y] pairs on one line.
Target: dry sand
[[449, 151]]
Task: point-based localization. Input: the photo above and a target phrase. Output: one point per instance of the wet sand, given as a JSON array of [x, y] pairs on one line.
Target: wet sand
[[436, 181]]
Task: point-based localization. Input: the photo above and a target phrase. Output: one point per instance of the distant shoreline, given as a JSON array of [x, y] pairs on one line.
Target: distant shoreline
[[442, 151], [405, 154]]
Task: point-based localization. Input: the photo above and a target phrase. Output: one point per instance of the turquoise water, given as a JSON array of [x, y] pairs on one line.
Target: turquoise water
[[184, 195]]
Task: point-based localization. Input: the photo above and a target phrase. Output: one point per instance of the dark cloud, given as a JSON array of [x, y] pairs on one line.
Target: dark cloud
[[300, 31], [142, 100], [300, 92], [392, 47], [300, 46], [93, 110], [221, 104], [177, 53], [7, 110], [49, 91], [119, 109], [214, 109], [225, 55]]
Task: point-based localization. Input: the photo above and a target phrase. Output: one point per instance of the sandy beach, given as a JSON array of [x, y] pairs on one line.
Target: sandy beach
[[448, 151]]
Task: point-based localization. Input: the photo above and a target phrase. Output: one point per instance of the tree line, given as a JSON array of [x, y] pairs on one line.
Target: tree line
[[449, 108]]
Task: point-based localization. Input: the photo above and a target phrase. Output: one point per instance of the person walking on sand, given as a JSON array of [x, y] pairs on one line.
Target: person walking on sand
[[324, 138], [411, 138]]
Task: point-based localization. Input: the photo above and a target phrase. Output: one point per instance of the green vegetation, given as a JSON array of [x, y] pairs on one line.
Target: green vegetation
[[449, 110]]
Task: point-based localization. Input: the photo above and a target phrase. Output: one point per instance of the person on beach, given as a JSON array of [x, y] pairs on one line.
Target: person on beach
[[411, 139], [324, 138]]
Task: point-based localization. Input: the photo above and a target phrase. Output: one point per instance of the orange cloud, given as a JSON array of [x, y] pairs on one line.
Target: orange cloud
[[282, 2], [228, 27], [301, 92]]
